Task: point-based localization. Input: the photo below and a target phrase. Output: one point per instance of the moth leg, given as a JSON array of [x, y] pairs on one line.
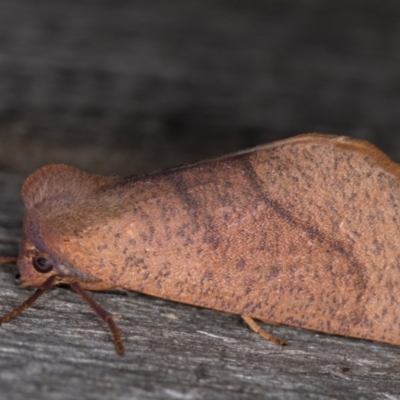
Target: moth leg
[[257, 328], [45, 287], [8, 259], [103, 314]]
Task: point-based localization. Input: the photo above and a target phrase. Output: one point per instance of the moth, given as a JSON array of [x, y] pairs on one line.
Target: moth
[[303, 232]]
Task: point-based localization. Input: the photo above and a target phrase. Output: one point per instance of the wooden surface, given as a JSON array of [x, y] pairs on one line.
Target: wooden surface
[[125, 87]]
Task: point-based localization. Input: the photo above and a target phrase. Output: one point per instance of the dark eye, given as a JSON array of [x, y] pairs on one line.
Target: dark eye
[[41, 264]]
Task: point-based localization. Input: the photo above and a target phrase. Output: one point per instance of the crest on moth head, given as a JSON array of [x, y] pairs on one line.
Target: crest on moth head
[[55, 180]]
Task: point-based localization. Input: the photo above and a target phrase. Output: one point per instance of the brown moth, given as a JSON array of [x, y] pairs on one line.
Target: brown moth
[[304, 232]]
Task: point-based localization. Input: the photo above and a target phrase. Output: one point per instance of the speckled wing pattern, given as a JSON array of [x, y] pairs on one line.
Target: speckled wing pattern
[[303, 231]]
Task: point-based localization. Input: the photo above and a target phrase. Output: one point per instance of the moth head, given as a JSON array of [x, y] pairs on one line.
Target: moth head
[[56, 198], [35, 263], [34, 266]]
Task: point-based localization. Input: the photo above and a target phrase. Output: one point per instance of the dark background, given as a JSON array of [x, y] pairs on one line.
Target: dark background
[[123, 87], [128, 86]]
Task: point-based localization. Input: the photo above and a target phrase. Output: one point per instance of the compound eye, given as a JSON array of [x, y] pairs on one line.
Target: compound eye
[[42, 264]]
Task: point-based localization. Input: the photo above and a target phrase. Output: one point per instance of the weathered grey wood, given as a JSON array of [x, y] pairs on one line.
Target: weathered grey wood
[[124, 87]]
